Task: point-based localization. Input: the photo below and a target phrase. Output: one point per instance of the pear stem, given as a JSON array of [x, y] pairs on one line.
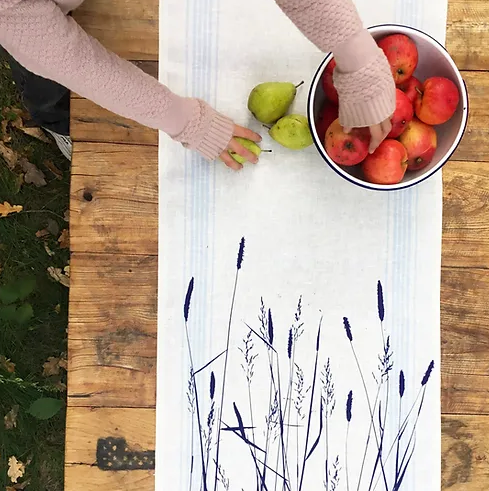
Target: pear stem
[[297, 86], [267, 127], [267, 151]]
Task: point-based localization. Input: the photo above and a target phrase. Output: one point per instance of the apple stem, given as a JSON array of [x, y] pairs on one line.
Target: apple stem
[[418, 91], [297, 86]]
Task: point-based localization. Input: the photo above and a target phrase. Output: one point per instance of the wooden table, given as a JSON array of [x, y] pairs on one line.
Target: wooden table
[[112, 331]]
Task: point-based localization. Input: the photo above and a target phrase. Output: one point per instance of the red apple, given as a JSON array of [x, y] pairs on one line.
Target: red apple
[[327, 114], [402, 54], [387, 165], [409, 88], [327, 81], [347, 148], [403, 114], [438, 101], [420, 142]]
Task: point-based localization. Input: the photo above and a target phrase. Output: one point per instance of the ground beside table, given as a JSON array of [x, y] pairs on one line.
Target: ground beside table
[[112, 332]]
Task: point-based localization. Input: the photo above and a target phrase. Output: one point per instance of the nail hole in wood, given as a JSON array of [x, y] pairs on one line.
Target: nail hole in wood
[[87, 196]]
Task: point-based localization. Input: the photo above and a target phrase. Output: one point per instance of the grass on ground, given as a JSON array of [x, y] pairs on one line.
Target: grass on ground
[[28, 338]]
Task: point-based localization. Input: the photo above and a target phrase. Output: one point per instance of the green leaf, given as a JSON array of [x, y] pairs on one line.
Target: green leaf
[[18, 290], [8, 312], [45, 408], [8, 294], [24, 287], [24, 313]]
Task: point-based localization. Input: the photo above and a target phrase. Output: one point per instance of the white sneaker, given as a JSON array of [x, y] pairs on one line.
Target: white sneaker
[[64, 143]]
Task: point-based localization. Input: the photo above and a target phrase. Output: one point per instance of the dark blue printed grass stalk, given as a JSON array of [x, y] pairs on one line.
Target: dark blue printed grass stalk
[[210, 420], [349, 335], [329, 402], [411, 445], [349, 404], [402, 388], [186, 309], [295, 333], [191, 409], [239, 263], [307, 453]]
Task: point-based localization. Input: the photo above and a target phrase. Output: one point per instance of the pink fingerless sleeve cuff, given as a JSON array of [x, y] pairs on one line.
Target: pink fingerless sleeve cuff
[[368, 95], [208, 131]]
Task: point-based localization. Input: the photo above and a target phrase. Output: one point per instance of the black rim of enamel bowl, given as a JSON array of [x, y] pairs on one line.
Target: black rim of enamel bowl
[[364, 184]]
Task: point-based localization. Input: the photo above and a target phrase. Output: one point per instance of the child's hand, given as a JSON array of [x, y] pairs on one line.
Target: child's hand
[[239, 149], [378, 133]]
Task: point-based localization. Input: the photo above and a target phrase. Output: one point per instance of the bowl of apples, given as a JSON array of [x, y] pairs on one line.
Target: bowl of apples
[[427, 126]]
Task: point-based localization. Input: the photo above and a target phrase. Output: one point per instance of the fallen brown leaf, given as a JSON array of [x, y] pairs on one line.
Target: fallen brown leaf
[[57, 172], [53, 366], [9, 156], [7, 365], [6, 138], [49, 252], [66, 216], [10, 419], [16, 469], [7, 209], [64, 239], [57, 309], [57, 275], [19, 486], [41, 234], [32, 174]]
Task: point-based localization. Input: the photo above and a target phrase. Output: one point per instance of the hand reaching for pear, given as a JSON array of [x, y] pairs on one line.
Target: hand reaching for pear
[[242, 148]]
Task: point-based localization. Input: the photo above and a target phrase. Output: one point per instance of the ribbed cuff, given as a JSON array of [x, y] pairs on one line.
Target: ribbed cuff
[[367, 96], [208, 132], [217, 137]]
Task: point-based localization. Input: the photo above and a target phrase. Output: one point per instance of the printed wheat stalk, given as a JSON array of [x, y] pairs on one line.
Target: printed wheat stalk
[[210, 418], [349, 335], [186, 309], [329, 402], [349, 404], [191, 408], [239, 263], [306, 445]]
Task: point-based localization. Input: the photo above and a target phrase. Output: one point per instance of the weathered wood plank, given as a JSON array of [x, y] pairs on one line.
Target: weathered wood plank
[[91, 123], [468, 33], [128, 28], [88, 478], [466, 215], [112, 331], [474, 144], [465, 448], [114, 193]]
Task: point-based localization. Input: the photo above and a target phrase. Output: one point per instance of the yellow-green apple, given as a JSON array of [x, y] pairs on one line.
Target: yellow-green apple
[[387, 165], [327, 82], [327, 114], [437, 101], [420, 141], [403, 114], [409, 88], [347, 148], [402, 54]]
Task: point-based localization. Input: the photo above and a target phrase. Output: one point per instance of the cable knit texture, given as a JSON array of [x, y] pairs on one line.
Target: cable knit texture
[[362, 77], [40, 36]]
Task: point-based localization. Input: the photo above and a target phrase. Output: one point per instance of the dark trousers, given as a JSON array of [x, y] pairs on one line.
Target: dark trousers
[[48, 103]]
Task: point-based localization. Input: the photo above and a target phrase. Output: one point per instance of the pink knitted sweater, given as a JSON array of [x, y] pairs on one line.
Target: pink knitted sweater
[[40, 36]]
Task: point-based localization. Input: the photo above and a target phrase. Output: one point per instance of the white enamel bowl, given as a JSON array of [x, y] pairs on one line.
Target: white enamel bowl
[[434, 60]]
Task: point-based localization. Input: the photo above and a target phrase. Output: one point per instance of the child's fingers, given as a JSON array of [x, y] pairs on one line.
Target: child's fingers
[[229, 161], [246, 133], [347, 130], [244, 152], [378, 134]]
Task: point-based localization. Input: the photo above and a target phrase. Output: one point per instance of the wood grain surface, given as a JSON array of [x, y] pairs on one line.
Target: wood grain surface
[[112, 332]]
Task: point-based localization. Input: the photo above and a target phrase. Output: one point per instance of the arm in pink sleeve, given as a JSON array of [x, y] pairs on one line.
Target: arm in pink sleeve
[[48, 43], [363, 77]]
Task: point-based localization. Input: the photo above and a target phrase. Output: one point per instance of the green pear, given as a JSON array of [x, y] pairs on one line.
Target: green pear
[[269, 101], [292, 131], [251, 146]]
